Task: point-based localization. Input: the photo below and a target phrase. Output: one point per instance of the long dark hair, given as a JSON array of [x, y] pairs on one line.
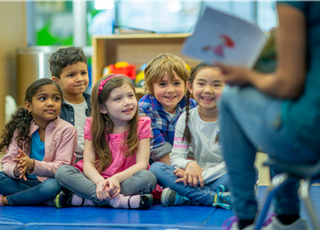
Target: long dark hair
[[21, 119], [102, 125], [187, 134]]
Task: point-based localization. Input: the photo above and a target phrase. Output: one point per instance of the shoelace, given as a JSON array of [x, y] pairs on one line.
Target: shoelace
[[219, 203], [181, 199], [227, 224]]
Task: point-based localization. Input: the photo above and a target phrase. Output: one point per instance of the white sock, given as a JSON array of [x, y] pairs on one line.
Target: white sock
[[121, 201], [77, 201]]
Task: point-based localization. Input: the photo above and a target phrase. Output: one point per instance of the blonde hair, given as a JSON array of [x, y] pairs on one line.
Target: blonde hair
[[159, 66], [102, 126]]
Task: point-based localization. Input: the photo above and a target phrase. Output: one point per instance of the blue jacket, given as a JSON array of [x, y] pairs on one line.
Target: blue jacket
[[67, 111]]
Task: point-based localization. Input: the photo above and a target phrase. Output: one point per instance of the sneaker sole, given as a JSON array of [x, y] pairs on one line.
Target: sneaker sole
[[164, 192], [57, 203]]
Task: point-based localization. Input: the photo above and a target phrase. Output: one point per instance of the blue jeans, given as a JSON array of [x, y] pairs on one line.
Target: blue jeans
[[74, 180], [30, 192], [204, 196], [250, 120]]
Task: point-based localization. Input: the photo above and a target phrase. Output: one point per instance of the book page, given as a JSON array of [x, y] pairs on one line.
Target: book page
[[225, 38]]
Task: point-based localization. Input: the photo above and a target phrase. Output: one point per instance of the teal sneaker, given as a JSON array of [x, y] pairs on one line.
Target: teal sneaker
[[170, 198], [222, 198]]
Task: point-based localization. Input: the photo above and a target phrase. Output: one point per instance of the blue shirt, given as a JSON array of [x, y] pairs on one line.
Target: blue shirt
[[162, 124], [301, 117], [37, 149]]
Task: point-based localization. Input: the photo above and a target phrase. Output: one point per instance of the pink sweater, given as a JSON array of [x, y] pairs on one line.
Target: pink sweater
[[60, 144]]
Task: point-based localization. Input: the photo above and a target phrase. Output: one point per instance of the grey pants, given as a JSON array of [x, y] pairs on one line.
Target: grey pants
[[74, 180]]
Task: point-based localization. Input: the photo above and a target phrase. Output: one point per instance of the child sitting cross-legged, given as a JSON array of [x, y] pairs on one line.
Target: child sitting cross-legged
[[204, 181], [113, 172], [37, 142]]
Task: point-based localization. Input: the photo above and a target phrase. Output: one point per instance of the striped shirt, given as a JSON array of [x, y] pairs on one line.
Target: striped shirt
[[207, 152]]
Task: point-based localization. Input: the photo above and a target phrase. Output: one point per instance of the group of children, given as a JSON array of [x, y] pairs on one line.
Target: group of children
[[62, 151]]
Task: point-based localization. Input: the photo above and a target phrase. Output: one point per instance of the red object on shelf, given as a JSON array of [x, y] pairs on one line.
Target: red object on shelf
[[129, 70]]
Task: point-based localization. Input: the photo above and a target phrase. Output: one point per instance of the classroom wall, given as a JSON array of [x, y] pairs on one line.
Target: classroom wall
[[12, 37]]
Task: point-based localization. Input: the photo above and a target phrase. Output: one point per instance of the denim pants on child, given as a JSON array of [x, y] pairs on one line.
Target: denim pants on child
[[250, 120], [74, 180], [30, 192], [203, 196]]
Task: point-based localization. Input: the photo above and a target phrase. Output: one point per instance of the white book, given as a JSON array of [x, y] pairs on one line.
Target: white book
[[225, 38]]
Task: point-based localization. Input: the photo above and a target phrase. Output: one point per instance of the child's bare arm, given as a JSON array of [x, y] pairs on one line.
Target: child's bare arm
[[92, 173], [142, 160]]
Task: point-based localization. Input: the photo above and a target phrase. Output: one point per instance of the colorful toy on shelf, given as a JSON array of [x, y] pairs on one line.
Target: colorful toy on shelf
[[139, 82], [121, 68]]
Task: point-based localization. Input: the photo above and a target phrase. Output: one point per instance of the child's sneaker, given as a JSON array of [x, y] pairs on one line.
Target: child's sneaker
[[1, 203], [63, 199], [146, 201], [170, 197], [222, 198]]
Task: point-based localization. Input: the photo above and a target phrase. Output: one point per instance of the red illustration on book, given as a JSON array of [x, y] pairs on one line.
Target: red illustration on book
[[226, 41]]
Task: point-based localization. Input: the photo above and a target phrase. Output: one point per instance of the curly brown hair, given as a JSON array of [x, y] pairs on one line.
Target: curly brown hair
[[21, 119]]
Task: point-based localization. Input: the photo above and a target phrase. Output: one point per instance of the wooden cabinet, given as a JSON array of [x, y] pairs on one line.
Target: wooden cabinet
[[135, 49]]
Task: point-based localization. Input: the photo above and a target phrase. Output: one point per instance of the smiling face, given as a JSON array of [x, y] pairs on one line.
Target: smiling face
[[121, 106], [206, 88], [73, 79], [169, 92], [45, 105]]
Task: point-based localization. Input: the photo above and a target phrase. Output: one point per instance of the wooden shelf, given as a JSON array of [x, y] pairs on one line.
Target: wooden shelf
[[139, 90], [135, 49]]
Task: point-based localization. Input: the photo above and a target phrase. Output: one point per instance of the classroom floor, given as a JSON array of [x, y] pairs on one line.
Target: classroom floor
[[156, 218]]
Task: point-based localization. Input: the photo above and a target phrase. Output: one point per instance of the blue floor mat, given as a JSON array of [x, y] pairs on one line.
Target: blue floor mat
[[156, 218]]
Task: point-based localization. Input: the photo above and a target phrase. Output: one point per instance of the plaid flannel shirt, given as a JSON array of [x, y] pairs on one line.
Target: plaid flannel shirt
[[162, 124]]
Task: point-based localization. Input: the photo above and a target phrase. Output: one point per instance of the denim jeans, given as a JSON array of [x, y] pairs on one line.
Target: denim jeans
[[30, 192], [74, 180], [250, 120], [203, 196]]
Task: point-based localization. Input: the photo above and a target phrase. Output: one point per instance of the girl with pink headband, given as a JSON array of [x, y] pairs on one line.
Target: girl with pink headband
[[113, 171]]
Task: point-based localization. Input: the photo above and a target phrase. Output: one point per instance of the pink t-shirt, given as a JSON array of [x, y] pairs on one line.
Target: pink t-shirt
[[120, 162]]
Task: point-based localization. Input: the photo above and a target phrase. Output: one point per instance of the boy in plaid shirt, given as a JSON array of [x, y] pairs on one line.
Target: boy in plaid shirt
[[164, 101]]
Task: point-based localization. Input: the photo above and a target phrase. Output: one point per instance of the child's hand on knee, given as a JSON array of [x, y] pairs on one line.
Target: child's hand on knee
[[113, 186], [179, 173], [193, 175], [102, 193]]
